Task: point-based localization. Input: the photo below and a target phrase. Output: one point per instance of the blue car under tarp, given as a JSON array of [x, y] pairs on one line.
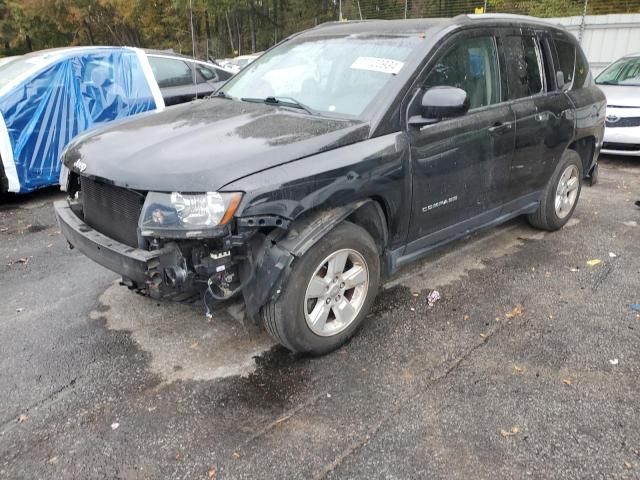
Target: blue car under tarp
[[48, 98]]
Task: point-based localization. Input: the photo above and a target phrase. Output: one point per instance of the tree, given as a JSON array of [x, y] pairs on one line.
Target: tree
[[228, 27]]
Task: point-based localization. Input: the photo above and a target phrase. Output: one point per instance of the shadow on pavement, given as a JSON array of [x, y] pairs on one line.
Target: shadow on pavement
[[10, 201]]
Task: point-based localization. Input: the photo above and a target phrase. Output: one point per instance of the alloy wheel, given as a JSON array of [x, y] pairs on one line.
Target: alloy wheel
[[567, 191], [336, 292]]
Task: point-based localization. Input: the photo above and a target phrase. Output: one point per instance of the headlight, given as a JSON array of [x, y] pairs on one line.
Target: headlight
[[186, 214]]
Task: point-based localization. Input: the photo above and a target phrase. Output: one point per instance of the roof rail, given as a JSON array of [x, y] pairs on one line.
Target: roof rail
[[505, 16], [336, 22]]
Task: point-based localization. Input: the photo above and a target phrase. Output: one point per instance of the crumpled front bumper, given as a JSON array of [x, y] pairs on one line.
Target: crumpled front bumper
[[139, 268]]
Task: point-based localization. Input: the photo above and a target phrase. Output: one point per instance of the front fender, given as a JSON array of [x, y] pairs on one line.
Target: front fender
[[272, 257]]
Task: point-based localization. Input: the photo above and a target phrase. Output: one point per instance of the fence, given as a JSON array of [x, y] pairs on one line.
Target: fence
[[253, 25], [607, 30], [604, 38], [369, 9]]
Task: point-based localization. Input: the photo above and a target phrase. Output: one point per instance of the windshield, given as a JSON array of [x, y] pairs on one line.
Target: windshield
[[625, 71], [330, 75]]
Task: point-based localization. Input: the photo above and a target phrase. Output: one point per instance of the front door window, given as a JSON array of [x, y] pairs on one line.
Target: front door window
[[472, 65]]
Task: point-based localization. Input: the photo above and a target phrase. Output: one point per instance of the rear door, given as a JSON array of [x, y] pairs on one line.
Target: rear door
[[544, 118], [461, 165]]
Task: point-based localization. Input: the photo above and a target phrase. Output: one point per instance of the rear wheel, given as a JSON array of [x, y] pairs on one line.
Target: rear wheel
[[329, 292], [561, 194]]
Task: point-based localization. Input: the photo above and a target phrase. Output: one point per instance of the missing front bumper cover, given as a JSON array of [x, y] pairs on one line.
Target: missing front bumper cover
[[140, 268]]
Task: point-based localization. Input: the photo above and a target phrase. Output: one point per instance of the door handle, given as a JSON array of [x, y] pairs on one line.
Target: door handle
[[500, 128]]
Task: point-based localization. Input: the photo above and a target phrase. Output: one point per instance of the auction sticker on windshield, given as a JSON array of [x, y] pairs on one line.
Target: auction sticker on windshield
[[384, 65]]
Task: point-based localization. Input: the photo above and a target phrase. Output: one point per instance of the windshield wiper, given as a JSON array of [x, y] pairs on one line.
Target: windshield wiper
[[606, 82], [283, 101]]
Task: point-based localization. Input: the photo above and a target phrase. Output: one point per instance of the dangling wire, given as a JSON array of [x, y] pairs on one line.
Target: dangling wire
[[209, 289]]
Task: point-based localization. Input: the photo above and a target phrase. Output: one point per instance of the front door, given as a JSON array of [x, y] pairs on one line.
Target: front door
[[461, 165]]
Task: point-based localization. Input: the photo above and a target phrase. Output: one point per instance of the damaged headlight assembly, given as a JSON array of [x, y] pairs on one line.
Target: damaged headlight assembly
[[194, 216], [187, 215]]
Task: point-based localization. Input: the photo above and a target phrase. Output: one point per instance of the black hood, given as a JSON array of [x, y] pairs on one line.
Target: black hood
[[205, 145]]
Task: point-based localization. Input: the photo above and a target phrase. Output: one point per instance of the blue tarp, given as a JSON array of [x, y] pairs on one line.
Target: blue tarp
[[69, 97]]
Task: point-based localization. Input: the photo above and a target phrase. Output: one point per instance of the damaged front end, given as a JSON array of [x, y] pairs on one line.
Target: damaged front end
[[175, 245], [164, 244]]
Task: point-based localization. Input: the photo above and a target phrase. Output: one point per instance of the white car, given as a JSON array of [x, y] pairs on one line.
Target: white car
[[49, 97], [620, 82], [238, 63]]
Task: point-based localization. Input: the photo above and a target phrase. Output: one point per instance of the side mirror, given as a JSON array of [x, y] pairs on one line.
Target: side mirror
[[560, 82], [441, 102]]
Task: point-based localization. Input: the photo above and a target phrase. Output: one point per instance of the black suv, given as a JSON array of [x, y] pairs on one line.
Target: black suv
[[342, 154]]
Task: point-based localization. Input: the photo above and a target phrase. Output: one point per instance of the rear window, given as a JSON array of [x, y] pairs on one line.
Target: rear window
[[524, 74]]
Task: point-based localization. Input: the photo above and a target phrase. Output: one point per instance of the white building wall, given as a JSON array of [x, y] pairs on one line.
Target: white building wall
[[605, 38]]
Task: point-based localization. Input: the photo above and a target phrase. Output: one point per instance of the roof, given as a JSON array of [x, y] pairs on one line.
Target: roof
[[89, 48], [420, 25], [171, 53], [66, 50], [414, 25]]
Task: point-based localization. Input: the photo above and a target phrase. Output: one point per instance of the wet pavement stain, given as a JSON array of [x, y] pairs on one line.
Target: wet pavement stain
[[179, 335], [36, 228], [183, 345], [391, 298], [278, 378]]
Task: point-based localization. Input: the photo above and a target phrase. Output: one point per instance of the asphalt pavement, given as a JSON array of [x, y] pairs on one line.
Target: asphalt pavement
[[528, 366]]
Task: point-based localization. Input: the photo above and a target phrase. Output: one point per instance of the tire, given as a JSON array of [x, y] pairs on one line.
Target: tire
[[566, 182], [290, 319]]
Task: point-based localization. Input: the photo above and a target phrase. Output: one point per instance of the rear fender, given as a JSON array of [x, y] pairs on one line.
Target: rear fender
[[273, 256]]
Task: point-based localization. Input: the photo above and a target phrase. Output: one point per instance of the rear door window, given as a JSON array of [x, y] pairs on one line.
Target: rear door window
[[472, 65], [171, 72], [523, 66], [209, 74], [223, 74], [212, 74], [583, 74], [566, 60]]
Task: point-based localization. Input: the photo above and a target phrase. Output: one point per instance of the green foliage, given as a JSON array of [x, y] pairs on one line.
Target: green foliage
[[537, 8], [225, 27]]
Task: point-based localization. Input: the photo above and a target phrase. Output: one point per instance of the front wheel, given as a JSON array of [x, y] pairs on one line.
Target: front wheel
[[561, 194], [328, 293]]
